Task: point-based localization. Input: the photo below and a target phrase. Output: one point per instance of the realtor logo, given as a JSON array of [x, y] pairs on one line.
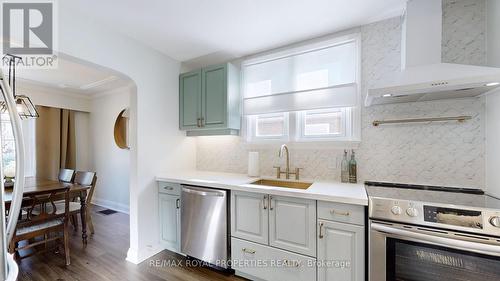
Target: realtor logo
[[29, 32], [27, 28]]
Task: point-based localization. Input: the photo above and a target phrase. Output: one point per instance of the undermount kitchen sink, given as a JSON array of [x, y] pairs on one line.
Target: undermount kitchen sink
[[286, 184]]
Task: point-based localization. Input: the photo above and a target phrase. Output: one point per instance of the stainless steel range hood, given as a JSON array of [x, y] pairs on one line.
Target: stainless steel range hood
[[423, 76]]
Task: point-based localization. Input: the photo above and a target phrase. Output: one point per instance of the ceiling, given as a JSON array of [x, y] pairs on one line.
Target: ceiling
[[72, 76], [189, 29]]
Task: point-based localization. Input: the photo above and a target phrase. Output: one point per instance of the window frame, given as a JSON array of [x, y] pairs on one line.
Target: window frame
[[251, 129], [345, 126]]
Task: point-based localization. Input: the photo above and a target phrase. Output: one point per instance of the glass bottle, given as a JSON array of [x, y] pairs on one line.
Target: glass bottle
[[344, 168], [353, 177]]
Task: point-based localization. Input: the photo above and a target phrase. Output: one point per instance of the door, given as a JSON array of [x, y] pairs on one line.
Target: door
[[249, 216], [170, 221], [214, 96], [292, 224], [190, 100], [204, 224], [341, 251]]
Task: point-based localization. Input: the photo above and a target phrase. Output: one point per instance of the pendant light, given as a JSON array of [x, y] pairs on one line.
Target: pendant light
[[25, 108]]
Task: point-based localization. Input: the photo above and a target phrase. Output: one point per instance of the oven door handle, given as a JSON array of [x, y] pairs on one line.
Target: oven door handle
[[481, 248]]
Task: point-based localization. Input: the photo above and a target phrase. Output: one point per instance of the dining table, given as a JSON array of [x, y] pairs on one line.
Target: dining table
[[34, 185]]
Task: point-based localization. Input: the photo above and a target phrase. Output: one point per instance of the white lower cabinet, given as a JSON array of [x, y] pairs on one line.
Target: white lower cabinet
[[170, 218], [292, 224], [260, 262], [341, 251]]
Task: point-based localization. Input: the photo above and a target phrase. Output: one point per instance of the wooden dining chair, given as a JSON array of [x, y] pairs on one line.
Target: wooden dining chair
[[85, 179], [66, 175], [48, 223]]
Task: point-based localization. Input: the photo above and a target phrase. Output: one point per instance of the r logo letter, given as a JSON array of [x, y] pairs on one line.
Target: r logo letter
[[27, 28]]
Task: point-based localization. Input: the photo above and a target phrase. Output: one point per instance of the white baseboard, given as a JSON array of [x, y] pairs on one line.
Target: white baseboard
[[120, 207], [136, 257], [133, 256]]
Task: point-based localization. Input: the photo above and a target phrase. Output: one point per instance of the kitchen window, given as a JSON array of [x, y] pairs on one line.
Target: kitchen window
[[271, 125], [274, 126], [329, 123], [306, 93]]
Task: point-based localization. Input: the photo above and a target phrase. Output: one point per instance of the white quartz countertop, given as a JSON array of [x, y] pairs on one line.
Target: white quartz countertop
[[320, 190]]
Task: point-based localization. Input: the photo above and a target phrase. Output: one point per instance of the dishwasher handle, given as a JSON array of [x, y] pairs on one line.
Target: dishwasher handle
[[203, 191]]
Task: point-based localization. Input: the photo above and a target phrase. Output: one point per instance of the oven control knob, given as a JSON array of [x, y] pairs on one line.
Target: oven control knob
[[495, 221], [396, 210], [412, 212]]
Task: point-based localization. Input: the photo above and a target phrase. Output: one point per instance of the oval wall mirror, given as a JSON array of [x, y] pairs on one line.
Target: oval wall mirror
[[121, 129]]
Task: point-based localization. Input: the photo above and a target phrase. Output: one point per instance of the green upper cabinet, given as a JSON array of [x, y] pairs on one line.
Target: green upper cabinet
[[214, 96], [210, 101], [190, 100]]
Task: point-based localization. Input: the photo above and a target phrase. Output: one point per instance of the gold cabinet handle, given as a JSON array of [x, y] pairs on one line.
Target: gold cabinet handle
[[340, 213], [264, 202], [198, 122], [248, 251], [202, 122], [321, 230], [271, 203]]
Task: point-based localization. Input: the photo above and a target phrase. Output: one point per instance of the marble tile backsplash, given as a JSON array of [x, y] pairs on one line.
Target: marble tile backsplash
[[432, 153], [464, 32], [448, 153]]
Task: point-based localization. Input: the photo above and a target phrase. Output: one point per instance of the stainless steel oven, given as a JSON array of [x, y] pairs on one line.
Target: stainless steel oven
[[422, 234], [405, 252]]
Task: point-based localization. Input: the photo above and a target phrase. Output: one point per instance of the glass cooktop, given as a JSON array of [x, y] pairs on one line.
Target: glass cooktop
[[469, 197]]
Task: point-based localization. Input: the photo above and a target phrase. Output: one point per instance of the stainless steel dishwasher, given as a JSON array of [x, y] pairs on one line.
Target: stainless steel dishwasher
[[204, 224]]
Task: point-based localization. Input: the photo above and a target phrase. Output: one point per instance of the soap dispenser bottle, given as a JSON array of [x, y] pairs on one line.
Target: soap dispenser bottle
[[344, 168], [353, 177]]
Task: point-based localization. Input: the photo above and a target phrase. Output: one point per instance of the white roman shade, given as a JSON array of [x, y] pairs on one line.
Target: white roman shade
[[316, 76], [335, 96]]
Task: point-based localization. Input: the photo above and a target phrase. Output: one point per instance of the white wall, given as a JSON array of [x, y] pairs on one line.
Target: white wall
[[493, 101], [493, 143], [493, 32], [158, 145], [111, 163]]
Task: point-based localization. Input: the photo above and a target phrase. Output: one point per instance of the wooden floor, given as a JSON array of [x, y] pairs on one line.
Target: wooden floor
[[104, 259]]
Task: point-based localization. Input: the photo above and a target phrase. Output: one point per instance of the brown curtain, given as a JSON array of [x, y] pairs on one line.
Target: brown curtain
[[55, 141]]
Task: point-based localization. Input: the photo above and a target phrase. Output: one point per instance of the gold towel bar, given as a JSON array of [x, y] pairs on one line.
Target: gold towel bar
[[420, 120]]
